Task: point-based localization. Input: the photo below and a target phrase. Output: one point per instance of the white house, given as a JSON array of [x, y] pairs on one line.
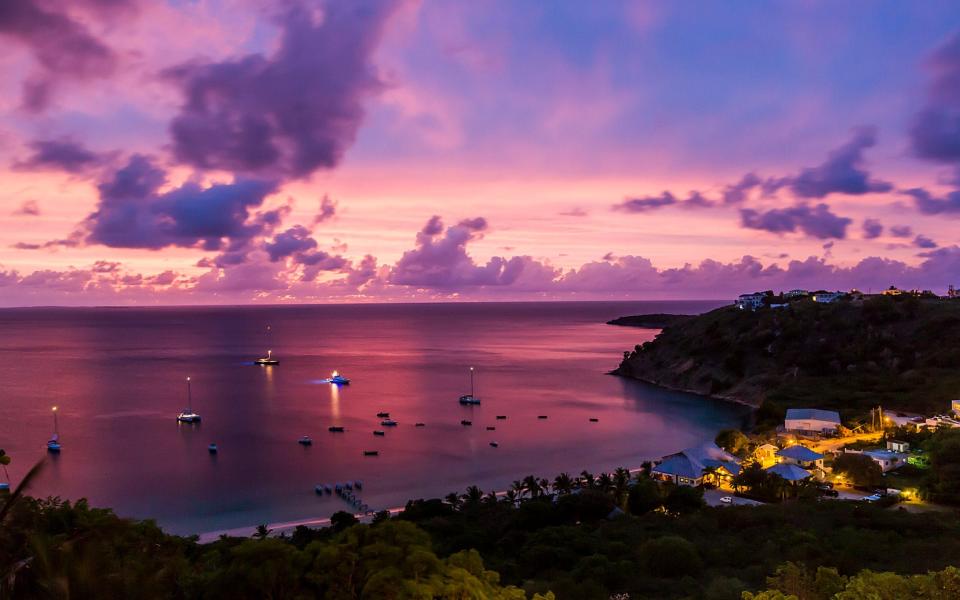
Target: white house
[[827, 297], [689, 466], [801, 456], [898, 446], [796, 294], [812, 420], [750, 301], [887, 459]]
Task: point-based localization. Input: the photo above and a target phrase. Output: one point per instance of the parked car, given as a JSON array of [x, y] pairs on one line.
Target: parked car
[[726, 500], [872, 498]]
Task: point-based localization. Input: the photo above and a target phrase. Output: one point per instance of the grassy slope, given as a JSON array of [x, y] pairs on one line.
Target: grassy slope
[[901, 353]]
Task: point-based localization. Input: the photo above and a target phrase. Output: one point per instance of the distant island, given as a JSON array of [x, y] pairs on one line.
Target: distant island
[[652, 321], [846, 351]]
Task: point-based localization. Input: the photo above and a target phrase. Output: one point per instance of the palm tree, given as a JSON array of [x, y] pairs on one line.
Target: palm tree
[[533, 486], [473, 496], [511, 497], [490, 498], [621, 484], [604, 482], [563, 483], [262, 532], [519, 488], [453, 499], [586, 479]]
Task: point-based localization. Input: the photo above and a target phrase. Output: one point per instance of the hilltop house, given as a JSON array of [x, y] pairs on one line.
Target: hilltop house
[[812, 421], [750, 301], [689, 467], [800, 456], [796, 294], [898, 446], [824, 297], [789, 472], [766, 454]]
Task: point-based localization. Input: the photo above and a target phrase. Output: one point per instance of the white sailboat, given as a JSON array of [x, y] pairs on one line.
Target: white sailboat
[[187, 415], [471, 398], [267, 360], [53, 444]]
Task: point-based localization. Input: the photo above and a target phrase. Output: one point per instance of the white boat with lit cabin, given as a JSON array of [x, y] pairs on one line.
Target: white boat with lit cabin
[[187, 415], [470, 399], [337, 379], [267, 360]]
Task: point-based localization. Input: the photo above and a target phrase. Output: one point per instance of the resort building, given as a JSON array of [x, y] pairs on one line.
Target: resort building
[[812, 421], [801, 456], [826, 297], [692, 466], [796, 294], [766, 455], [898, 446]]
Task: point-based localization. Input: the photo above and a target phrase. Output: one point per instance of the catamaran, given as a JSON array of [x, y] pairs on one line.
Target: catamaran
[[53, 444], [267, 360], [471, 398], [187, 415]]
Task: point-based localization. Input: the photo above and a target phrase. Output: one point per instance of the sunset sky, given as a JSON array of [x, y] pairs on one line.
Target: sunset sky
[[232, 151]]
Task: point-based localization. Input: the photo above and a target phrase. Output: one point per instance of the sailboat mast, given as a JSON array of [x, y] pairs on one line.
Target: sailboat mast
[[189, 396], [56, 425], [471, 383]]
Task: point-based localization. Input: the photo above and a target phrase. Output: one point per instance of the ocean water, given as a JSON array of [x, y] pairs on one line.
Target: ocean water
[[118, 377]]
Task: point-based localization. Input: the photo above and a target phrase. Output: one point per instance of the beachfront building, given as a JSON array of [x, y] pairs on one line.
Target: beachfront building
[[887, 459], [898, 446], [750, 301], [766, 455], [796, 294], [694, 465], [812, 421], [800, 456]]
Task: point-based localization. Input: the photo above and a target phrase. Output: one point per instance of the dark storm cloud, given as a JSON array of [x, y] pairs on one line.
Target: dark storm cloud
[[290, 113], [133, 214]]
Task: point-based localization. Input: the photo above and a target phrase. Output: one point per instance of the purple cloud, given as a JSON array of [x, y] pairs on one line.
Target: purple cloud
[[935, 132], [62, 47], [29, 208], [817, 222], [929, 204], [842, 172], [295, 240], [133, 214], [648, 203], [737, 192], [922, 241], [872, 229], [901, 231], [328, 208], [290, 113], [441, 261], [63, 154]]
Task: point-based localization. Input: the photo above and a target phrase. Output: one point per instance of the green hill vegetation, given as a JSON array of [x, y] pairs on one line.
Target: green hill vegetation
[[900, 352]]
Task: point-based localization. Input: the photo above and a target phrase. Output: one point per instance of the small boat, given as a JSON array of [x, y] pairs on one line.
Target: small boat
[[319, 490], [494, 445], [358, 484], [212, 448], [53, 444], [339, 488], [383, 415], [371, 453], [348, 485], [305, 441], [491, 428], [267, 360], [501, 417], [4, 486], [187, 415], [335, 429], [466, 422], [328, 489], [471, 398], [420, 424], [388, 423], [338, 379], [594, 420], [379, 432], [542, 416]]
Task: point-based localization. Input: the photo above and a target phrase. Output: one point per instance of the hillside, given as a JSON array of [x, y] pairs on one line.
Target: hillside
[[899, 352], [652, 321]]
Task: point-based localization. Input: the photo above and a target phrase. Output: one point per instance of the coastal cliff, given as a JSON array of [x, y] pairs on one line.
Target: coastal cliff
[[899, 352]]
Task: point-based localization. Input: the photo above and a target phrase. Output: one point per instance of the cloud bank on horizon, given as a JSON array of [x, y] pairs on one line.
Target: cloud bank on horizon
[[319, 150]]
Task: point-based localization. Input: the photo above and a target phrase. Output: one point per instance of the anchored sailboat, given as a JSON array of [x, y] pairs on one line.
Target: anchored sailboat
[[267, 360], [471, 398], [53, 444], [187, 415]]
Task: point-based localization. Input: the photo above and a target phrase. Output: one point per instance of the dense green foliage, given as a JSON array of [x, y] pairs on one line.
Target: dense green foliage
[[796, 582], [900, 352]]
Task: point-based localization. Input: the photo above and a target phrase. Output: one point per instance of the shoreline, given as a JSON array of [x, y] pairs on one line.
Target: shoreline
[[616, 372]]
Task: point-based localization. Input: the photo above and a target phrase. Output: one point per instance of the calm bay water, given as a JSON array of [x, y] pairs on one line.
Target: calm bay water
[[118, 376]]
